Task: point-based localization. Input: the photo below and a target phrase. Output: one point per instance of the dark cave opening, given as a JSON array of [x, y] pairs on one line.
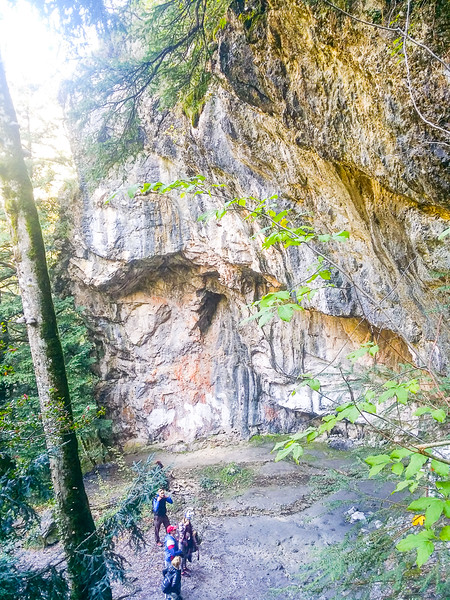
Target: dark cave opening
[[207, 309]]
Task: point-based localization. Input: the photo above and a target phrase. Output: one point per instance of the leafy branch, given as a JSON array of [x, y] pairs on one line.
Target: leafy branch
[[409, 459]]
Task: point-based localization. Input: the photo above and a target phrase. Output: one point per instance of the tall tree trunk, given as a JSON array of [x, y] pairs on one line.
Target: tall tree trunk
[[86, 566]]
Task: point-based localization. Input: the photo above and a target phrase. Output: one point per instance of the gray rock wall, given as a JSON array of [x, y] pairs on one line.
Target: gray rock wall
[[316, 120]]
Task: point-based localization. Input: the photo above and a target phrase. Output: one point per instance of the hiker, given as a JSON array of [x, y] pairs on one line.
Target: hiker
[[160, 512], [186, 541], [171, 549], [161, 475], [171, 585]]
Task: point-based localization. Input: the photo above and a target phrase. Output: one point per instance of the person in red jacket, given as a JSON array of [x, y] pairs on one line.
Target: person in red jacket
[[171, 549]]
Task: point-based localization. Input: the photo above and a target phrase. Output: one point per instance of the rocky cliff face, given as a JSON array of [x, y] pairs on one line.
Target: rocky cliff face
[[310, 106]]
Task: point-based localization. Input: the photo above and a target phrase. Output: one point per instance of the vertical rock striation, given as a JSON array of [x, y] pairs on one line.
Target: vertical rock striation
[[314, 110]]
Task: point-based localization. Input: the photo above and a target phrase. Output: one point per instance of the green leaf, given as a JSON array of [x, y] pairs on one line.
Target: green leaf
[[274, 298], [447, 508], [420, 504], [297, 452], [206, 216], [325, 274], [325, 237], [283, 453], [439, 415], [424, 551], [367, 348], [314, 384], [312, 278], [445, 534], [426, 534], [132, 190], [368, 407], [302, 434], [311, 436], [341, 236], [390, 384], [386, 395], [413, 386], [265, 318], [401, 485], [410, 542], [378, 459], [285, 312], [397, 468], [353, 356], [376, 469], [351, 413], [443, 487], [279, 445], [434, 511], [422, 410], [277, 218], [252, 317], [402, 395], [327, 418], [400, 453], [327, 425], [440, 468], [415, 464], [108, 200]]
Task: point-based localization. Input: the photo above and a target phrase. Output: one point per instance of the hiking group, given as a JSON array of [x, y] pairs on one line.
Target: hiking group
[[180, 543]]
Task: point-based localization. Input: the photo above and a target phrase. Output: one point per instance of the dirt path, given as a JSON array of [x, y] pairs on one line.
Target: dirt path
[[264, 521], [259, 520]]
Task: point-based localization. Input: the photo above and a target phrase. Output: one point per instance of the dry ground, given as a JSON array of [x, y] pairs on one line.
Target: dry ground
[[259, 520]]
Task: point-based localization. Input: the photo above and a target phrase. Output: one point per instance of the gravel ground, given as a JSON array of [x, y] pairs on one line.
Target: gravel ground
[[255, 533]]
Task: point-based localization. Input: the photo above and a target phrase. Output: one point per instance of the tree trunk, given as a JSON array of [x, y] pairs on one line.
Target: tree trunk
[[86, 566]]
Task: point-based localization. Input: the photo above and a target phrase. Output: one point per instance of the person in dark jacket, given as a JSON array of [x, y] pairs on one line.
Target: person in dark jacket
[[171, 549], [160, 512], [186, 541], [161, 475], [172, 574]]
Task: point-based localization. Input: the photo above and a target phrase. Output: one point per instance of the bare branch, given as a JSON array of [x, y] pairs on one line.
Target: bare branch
[[396, 30], [408, 76]]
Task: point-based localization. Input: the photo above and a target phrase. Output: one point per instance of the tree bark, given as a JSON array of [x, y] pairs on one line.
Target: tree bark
[[86, 565]]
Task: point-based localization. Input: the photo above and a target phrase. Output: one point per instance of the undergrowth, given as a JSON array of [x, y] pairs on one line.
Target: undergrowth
[[217, 478], [367, 566], [268, 438]]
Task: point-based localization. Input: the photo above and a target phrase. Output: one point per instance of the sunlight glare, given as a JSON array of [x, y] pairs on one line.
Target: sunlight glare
[[31, 52]]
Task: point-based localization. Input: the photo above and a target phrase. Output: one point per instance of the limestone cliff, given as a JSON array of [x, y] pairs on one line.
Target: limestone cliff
[[310, 106]]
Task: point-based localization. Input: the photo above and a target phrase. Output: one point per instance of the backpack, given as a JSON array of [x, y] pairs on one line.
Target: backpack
[[166, 584], [197, 538]]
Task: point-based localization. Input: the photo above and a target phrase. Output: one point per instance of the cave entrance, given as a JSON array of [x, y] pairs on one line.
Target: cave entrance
[[207, 309]]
